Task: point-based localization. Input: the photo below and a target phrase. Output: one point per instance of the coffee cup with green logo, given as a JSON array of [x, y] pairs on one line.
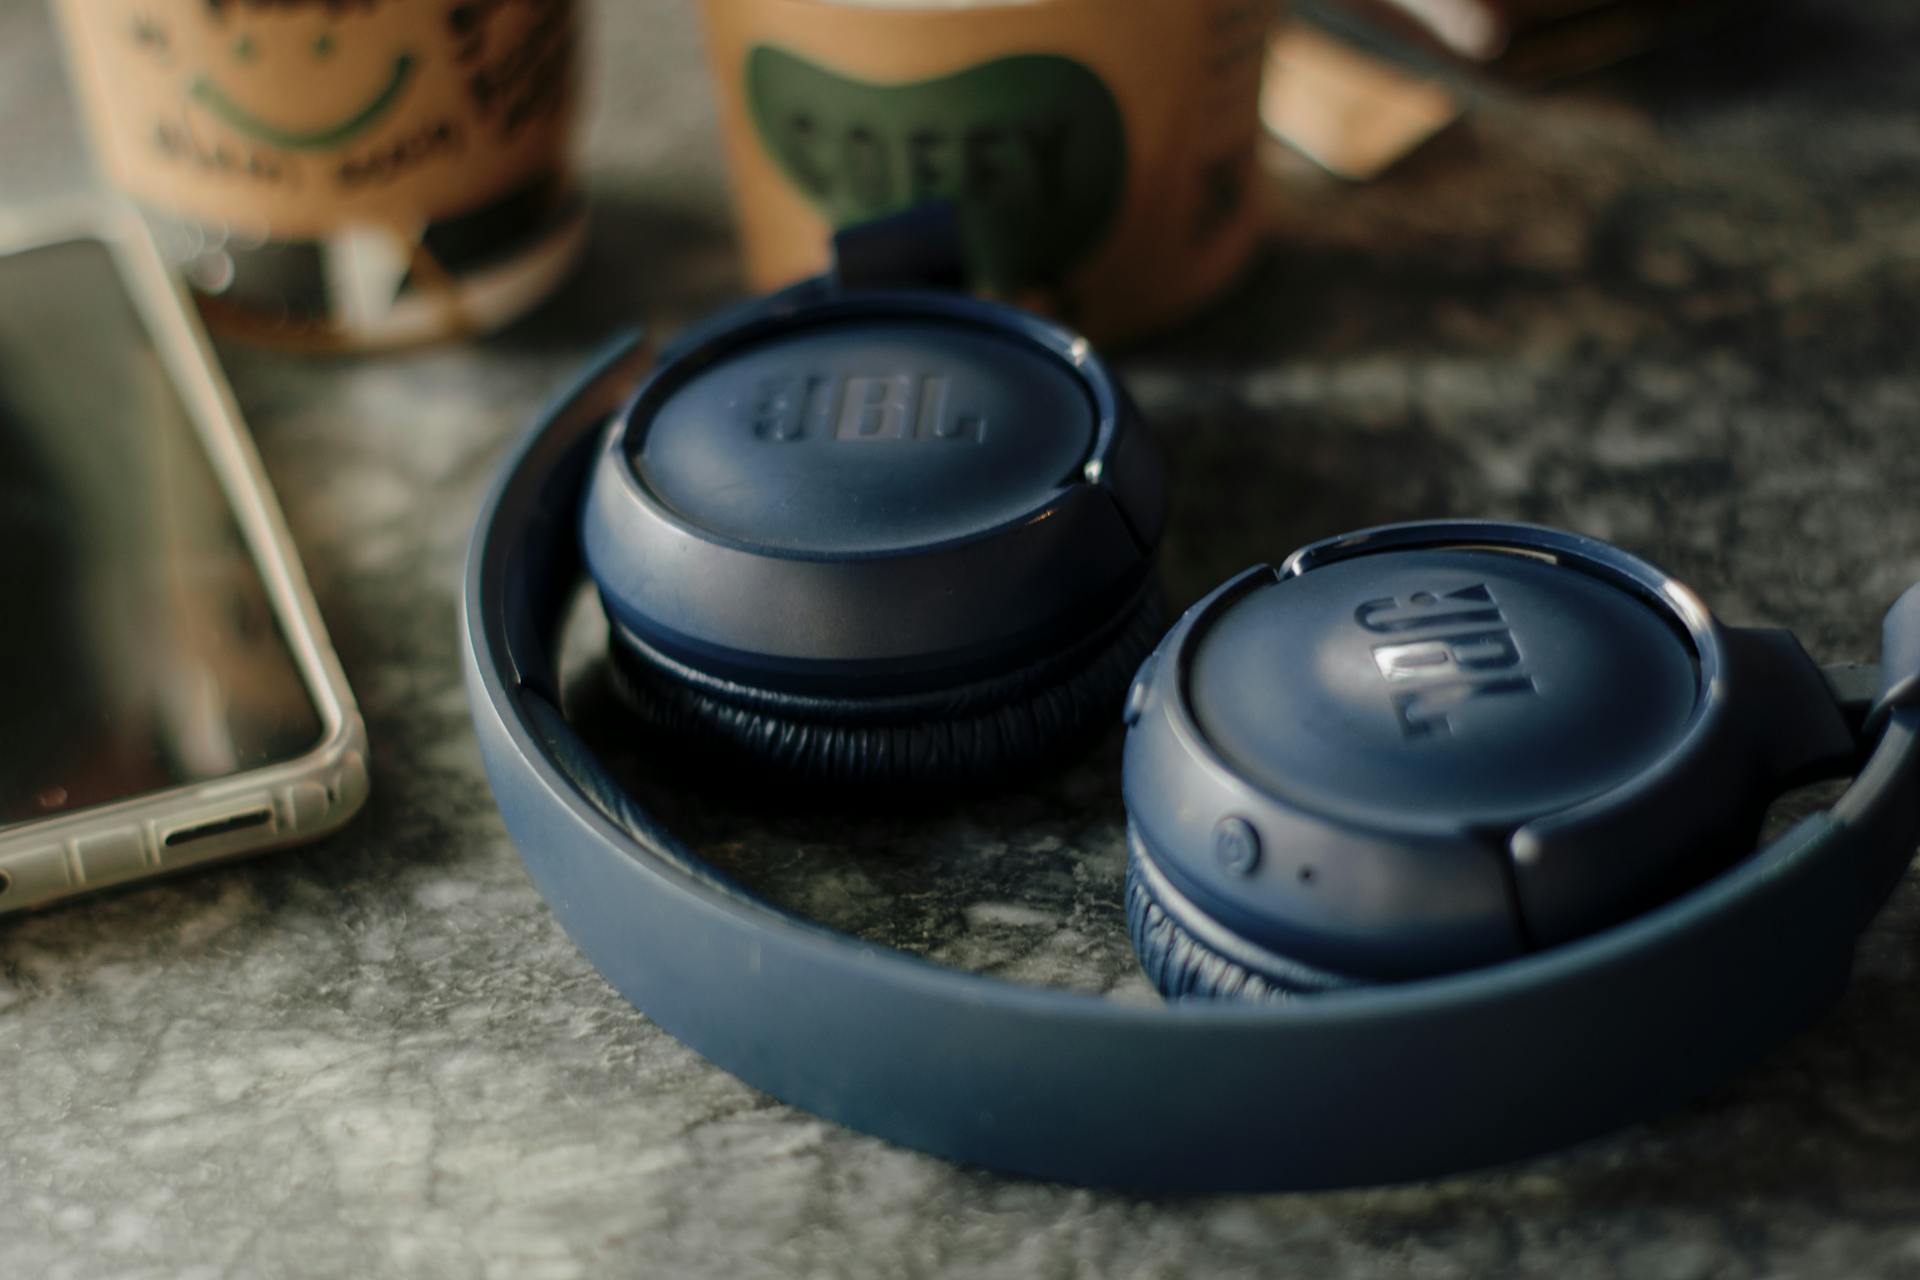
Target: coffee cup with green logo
[[1100, 154]]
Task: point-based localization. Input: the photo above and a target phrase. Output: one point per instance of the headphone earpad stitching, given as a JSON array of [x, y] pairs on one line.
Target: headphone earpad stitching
[[966, 743], [1181, 964], [1178, 964]]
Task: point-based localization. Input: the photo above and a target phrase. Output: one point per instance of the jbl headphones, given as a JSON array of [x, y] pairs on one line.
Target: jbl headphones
[[1441, 836]]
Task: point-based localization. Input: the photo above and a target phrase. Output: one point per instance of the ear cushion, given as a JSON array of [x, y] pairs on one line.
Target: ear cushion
[[1188, 955], [967, 734]]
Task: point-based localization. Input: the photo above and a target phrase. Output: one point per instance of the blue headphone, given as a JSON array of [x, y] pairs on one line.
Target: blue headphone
[[1441, 836]]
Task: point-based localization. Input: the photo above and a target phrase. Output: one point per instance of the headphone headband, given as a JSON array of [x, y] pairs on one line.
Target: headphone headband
[[1378, 1084]]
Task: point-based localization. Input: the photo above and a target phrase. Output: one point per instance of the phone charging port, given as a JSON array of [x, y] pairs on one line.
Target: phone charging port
[[215, 836]]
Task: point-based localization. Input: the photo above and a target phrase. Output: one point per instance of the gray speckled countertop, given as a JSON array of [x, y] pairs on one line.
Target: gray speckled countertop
[[1678, 307]]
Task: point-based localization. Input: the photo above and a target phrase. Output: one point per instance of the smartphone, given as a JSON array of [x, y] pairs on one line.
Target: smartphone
[[168, 695]]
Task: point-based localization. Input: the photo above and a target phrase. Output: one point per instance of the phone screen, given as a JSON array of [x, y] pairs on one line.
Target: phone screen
[[138, 647]]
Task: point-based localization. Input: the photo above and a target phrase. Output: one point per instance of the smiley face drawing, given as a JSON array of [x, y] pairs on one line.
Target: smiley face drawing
[[341, 174], [206, 91], [295, 75]]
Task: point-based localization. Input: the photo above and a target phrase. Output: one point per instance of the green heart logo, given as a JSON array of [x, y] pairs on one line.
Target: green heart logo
[[1030, 149]]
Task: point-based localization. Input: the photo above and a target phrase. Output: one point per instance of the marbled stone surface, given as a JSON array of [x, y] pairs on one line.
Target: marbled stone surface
[[1677, 307]]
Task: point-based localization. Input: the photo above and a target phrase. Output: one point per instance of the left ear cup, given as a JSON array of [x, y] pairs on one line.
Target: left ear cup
[[895, 538], [967, 734]]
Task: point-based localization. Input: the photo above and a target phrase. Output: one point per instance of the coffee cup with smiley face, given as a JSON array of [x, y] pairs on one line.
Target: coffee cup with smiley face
[[1100, 154], [342, 173]]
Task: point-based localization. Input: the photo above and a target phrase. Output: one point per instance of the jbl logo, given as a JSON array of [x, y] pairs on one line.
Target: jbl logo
[[1446, 650], [894, 406]]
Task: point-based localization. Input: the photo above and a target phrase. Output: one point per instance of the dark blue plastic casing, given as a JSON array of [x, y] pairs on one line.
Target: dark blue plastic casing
[[871, 492], [1452, 743], [1376, 1084]]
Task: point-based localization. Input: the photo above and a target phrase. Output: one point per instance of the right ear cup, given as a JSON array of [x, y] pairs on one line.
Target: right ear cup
[[971, 733], [1167, 936], [1429, 749]]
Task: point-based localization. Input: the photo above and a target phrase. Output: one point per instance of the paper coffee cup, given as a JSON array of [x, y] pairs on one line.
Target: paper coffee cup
[[1100, 153], [348, 172]]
